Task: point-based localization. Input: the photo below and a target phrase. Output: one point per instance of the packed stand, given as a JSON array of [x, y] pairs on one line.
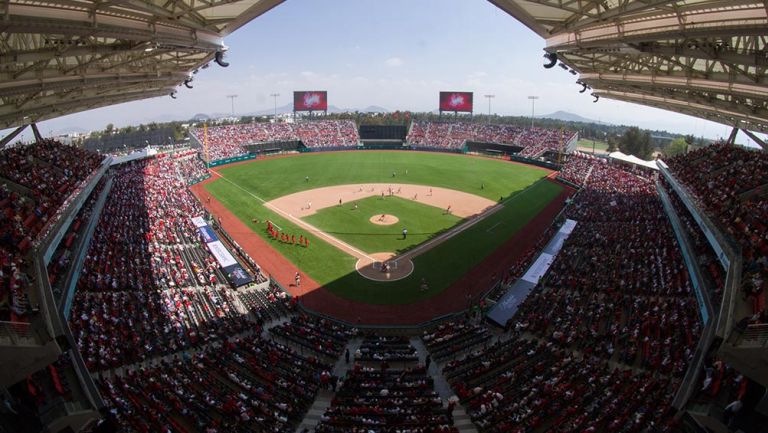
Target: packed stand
[[729, 184], [229, 140], [148, 287], [394, 348], [373, 400], [62, 258], [239, 386], [453, 135], [322, 336], [35, 182], [711, 267], [604, 340], [189, 166], [540, 140], [328, 133], [450, 338], [619, 286], [520, 386], [118, 328]]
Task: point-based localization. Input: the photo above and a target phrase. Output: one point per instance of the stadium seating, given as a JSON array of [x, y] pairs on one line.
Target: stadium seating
[[386, 401], [241, 385], [602, 343], [148, 287], [448, 339], [729, 183], [189, 166], [35, 181], [599, 346], [228, 140], [323, 337], [386, 349], [523, 385], [453, 135]]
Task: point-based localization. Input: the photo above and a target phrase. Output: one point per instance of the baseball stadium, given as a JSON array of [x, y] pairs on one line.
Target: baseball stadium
[[404, 272]]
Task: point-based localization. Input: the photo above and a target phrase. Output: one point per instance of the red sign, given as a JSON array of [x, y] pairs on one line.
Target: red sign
[[310, 101], [456, 101]]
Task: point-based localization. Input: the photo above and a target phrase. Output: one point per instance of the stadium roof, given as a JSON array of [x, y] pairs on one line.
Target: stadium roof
[[705, 58], [63, 56]]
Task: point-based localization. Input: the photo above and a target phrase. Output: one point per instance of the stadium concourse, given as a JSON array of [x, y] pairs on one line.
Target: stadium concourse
[[604, 343]]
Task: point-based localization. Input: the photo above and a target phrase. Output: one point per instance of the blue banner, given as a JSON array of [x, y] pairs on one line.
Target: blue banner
[[208, 234], [237, 276]]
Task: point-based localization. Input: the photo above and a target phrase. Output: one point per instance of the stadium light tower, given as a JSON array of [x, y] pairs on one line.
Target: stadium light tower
[[232, 99], [275, 95], [489, 106], [533, 107]]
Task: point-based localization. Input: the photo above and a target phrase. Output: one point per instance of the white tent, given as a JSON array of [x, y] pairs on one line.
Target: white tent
[[632, 159]]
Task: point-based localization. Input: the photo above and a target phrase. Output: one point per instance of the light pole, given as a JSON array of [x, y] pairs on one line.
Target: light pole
[[489, 106], [232, 98], [533, 105], [275, 95]]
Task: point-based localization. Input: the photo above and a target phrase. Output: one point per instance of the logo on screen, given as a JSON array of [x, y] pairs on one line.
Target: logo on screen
[[456, 100], [312, 100]]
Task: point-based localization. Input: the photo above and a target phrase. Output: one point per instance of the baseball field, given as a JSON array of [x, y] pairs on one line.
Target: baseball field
[[383, 227]]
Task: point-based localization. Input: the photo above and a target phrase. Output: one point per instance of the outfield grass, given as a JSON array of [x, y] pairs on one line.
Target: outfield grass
[[587, 144], [244, 188], [353, 226]]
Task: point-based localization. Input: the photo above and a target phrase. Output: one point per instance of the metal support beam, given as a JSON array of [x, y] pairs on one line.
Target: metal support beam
[[36, 132], [755, 138], [69, 107], [7, 139], [732, 138], [715, 84], [725, 117], [693, 23]]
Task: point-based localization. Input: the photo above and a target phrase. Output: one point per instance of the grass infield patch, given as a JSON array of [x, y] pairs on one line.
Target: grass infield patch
[[353, 226]]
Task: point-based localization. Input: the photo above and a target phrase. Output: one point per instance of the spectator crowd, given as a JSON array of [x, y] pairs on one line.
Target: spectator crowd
[[453, 135], [35, 181], [729, 184], [229, 140]]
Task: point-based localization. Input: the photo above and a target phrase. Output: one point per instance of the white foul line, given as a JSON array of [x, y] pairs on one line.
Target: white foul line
[[298, 221]]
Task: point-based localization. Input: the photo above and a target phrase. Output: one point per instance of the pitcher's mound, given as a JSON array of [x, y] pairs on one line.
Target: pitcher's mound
[[384, 267], [384, 219]]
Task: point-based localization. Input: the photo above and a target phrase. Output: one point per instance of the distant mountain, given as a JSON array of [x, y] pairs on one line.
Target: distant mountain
[[568, 117], [283, 109], [374, 109]]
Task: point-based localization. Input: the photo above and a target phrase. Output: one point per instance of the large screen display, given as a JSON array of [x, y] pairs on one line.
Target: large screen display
[[310, 100], [456, 101]]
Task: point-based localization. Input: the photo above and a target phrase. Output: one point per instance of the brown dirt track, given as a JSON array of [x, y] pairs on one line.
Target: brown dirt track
[[314, 297]]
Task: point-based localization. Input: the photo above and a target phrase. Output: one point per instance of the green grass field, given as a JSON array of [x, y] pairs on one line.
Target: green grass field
[[353, 226], [600, 146], [245, 187]]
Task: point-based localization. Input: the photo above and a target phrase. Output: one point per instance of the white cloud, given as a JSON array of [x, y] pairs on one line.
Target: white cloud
[[394, 62]]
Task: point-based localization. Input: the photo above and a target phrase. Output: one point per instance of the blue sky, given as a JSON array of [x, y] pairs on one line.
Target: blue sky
[[397, 54]]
